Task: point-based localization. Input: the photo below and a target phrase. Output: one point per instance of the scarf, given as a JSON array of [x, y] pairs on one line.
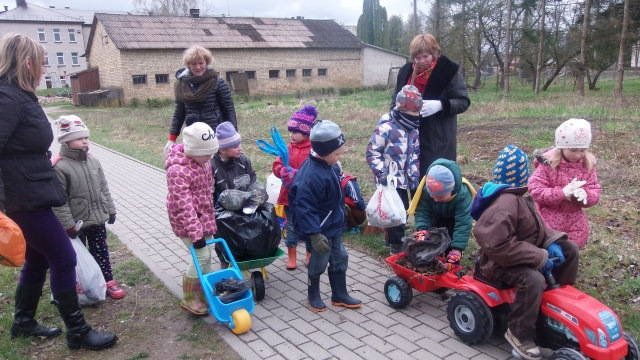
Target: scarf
[[405, 121], [204, 83], [422, 78]]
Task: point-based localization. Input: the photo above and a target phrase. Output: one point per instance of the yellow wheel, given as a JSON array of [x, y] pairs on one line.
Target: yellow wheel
[[242, 321], [284, 233]]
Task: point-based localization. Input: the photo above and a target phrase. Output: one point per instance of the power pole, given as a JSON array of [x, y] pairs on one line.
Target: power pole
[[416, 28]]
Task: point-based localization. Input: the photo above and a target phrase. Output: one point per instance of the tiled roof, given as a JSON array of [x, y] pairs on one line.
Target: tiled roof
[[178, 32], [38, 13]]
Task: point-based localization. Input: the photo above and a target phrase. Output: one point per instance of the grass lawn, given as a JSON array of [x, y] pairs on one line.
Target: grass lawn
[[609, 263], [148, 320]]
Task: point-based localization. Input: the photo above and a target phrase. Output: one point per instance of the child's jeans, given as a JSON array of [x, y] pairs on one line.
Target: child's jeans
[[393, 235], [97, 237], [292, 238], [203, 255], [337, 258]]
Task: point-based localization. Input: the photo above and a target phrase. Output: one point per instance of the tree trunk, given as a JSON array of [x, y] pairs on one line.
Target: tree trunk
[[507, 61], [583, 47], [462, 53], [416, 27], [538, 75], [437, 29], [478, 80], [623, 47]]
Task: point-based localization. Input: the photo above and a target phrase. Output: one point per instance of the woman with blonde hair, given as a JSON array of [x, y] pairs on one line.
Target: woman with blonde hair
[[29, 189], [201, 95], [444, 95]]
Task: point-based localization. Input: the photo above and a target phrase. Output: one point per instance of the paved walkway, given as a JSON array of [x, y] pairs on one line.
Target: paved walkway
[[282, 325]]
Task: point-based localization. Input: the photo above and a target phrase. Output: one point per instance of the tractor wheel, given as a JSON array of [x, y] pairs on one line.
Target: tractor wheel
[[634, 350], [398, 292], [567, 354], [469, 317], [258, 285]]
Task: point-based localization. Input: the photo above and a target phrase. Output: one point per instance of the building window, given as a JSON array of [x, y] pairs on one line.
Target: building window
[[306, 72], [72, 35], [291, 73], [56, 35], [162, 78], [60, 57], [74, 59], [274, 74], [46, 60], [251, 75], [41, 36], [229, 73], [139, 79], [322, 72]]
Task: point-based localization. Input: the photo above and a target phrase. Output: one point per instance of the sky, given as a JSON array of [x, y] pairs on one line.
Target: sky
[[343, 11]]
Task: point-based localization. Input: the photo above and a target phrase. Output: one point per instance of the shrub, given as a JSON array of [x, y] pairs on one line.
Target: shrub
[[155, 103], [134, 103]]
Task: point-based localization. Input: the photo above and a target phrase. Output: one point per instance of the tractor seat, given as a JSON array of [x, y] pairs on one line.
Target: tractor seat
[[478, 275]]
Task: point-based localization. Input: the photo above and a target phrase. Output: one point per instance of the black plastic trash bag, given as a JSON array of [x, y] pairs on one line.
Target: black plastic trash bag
[[258, 197], [422, 253], [233, 199], [242, 182], [230, 290], [249, 236]]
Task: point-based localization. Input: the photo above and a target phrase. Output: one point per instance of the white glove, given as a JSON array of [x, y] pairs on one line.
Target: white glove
[[430, 107], [571, 187], [581, 195], [166, 147]]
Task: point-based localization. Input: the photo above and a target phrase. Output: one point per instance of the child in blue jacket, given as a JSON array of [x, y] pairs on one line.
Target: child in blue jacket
[[316, 201]]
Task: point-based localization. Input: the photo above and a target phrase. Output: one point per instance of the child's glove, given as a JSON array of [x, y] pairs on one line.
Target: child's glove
[[581, 195], [112, 219], [555, 251], [320, 243], [430, 107], [167, 146], [287, 176], [571, 187], [200, 244], [453, 260], [546, 269], [73, 233]]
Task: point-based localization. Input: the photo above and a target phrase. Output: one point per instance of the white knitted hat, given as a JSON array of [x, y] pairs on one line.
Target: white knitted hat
[[70, 127], [573, 134], [199, 140]]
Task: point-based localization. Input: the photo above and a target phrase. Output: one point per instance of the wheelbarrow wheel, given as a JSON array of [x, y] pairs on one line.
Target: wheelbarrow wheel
[[258, 285], [398, 292], [241, 321]]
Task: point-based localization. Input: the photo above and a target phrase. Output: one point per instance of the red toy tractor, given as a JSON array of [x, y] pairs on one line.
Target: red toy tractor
[[572, 323]]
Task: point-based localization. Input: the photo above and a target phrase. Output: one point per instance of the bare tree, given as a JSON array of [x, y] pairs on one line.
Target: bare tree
[[507, 45], [583, 47], [538, 77], [623, 47], [172, 7]]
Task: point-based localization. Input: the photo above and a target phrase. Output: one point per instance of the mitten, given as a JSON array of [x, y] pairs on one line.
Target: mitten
[[453, 259], [72, 233], [571, 187], [287, 176], [581, 195], [200, 244], [546, 269], [430, 107], [112, 219], [555, 251], [421, 235], [167, 146], [320, 243]]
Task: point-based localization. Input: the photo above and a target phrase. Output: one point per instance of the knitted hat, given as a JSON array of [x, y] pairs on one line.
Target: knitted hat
[[440, 181], [573, 134], [302, 120], [326, 137], [227, 136], [199, 140], [409, 99], [512, 167], [70, 127]]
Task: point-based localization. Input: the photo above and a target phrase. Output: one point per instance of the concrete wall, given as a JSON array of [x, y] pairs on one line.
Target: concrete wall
[[377, 64], [30, 29]]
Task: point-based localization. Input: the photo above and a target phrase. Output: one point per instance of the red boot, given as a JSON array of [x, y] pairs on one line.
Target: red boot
[[114, 291], [306, 261], [291, 263]]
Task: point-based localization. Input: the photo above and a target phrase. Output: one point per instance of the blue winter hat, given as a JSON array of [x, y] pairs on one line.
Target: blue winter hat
[[326, 137], [440, 181], [512, 167]]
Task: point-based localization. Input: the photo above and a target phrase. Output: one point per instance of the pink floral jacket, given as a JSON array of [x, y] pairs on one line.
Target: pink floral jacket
[[190, 198], [545, 186]]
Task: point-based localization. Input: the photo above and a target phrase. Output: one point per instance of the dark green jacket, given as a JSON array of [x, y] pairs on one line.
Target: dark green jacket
[[458, 208]]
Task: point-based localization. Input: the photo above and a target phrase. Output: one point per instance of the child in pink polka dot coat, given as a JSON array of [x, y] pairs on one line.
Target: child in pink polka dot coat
[[565, 181], [190, 205]]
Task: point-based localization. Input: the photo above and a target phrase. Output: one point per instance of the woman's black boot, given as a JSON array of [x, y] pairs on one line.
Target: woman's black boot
[[24, 322]]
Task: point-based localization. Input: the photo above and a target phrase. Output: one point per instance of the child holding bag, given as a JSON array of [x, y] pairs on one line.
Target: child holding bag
[[565, 181]]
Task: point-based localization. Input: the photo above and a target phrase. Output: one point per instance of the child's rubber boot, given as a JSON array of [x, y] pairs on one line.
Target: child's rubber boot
[[190, 300], [339, 294], [313, 296], [201, 296], [291, 262], [306, 260]]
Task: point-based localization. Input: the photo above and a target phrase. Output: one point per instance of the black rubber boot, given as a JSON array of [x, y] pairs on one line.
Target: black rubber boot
[[79, 333], [24, 323], [315, 301], [339, 294]]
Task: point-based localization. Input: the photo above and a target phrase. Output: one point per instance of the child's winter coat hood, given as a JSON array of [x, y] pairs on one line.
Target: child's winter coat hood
[[176, 156], [485, 197]]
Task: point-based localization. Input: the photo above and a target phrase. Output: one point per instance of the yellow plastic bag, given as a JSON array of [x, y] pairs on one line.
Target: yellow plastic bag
[[12, 244]]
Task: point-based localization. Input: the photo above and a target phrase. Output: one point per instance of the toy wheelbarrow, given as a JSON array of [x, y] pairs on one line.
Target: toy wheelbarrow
[[257, 277], [234, 314]]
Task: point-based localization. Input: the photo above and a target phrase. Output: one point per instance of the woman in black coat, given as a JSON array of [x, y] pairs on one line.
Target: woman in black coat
[[201, 94], [444, 95], [29, 188]]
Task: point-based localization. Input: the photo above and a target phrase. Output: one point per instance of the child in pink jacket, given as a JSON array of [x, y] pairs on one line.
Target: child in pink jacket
[[565, 181], [190, 205]]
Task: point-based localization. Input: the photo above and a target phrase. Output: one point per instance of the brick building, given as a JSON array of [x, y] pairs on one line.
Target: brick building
[[141, 53]]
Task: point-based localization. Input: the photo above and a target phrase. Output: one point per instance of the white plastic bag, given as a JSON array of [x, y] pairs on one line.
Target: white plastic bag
[[385, 209], [273, 188], [90, 282]]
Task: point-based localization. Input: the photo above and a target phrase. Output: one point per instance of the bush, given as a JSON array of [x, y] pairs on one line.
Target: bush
[[134, 103], [155, 103]]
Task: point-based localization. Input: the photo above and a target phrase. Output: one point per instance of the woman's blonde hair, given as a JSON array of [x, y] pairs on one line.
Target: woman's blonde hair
[[424, 43], [14, 51], [556, 159], [196, 52]]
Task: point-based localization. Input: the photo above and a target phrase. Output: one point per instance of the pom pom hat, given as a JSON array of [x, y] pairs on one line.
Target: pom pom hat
[[302, 120]]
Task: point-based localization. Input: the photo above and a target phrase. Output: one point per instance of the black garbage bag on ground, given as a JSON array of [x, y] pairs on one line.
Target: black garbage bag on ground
[[232, 199], [422, 253], [230, 290], [249, 236]]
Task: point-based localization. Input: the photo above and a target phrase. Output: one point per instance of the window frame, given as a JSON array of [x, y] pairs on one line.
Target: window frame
[[162, 82], [46, 60], [307, 72], [274, 72], [57, 31], [228, 74], [72, 32], [251, 75], [143, 76], [60, 55], [43, 33], [290, 71], [324, 70]]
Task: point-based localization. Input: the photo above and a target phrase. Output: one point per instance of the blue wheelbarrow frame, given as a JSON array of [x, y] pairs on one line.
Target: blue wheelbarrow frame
[[223, 312]]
